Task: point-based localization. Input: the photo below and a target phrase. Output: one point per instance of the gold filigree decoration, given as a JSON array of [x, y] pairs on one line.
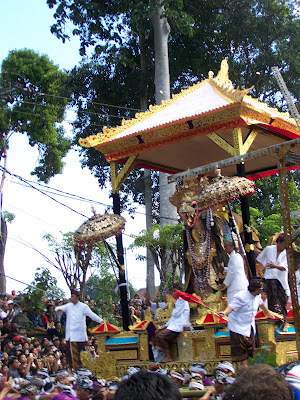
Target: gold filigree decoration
[[223, 84], [103, 366]]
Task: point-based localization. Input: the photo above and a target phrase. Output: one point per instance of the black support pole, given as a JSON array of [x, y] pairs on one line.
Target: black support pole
[[122, 277], [246, 222]]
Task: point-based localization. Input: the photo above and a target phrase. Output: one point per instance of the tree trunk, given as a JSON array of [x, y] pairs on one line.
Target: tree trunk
[[2, 251], [168, 214], [150, 280]]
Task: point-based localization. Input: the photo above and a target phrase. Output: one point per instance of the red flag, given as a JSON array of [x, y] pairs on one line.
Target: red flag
[[189, 297]]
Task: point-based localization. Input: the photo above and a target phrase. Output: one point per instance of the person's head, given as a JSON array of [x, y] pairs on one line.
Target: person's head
[[259, 382], [50, 318], [56, 341], [136, 297], [4, 306], [10, 304], [63, 360], [84, 388], [227, 367], [221, 380], [26, 346], [58, 326], [4, 370], [22, 370], [75, 294], [22, 358], [13, 363], [175, 287], [228, 246], [280, 242], [255, 286], [263, 294], [198, 368], [45, 342], [35, 342], [9, 345], [147, 386], [177, 377]]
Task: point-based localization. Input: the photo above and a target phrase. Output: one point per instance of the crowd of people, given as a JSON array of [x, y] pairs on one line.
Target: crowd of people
[[258, 382], [32, 367]]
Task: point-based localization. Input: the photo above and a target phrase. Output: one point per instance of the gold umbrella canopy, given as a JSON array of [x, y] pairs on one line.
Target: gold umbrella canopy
[[224, 188], [98, 228]]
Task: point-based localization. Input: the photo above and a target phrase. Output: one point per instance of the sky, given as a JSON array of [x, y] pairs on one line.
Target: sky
[[26, 24]]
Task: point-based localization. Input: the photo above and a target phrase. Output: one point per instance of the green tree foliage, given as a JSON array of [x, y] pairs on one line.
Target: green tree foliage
[[102, 289], [43, 285], [37, 107], [254, 35], [265, 209], [8, 216], [166, 246]]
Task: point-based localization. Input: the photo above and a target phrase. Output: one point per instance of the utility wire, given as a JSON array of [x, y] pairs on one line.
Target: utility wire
[[90, 102], [70, 195], [68, 109]]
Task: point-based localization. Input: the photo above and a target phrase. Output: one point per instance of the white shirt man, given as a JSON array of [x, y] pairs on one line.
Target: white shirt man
[[180, 317], [244, 307], [241, 320], [236, 279], [269, 256], [76, 313]]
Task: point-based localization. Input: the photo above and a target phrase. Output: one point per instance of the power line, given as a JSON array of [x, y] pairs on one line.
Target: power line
[[33, 187], [40, 115], [78, 111], [75, 197], [72, 99]]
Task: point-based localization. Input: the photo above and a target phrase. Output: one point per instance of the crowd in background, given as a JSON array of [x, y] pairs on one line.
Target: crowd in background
[[31, 367], [21, 353]]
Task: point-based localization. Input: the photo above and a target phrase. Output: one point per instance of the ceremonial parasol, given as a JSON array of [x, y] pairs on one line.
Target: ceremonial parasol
[[97, 229], [224, 188]]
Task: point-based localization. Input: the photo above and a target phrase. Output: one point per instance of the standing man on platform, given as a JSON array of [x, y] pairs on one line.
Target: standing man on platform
[[180, 320], [236, 279], [76, 334], [274, 259], [241, 321]]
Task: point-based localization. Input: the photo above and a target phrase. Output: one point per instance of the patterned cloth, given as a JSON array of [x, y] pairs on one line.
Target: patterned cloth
[[163, 338], [242, 346], [277, 298], [73, 350]]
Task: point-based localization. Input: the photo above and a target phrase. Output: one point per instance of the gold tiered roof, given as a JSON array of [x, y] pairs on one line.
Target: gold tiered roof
[[176, 135]]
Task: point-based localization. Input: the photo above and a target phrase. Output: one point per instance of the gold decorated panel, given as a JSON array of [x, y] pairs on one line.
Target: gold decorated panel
[[184, 346], [219, 120], [283, 349], [101, 343], [266, 334], [210, 345], [198, 348], [126, 354], [103, 366], [143, 347], [223, 350]]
